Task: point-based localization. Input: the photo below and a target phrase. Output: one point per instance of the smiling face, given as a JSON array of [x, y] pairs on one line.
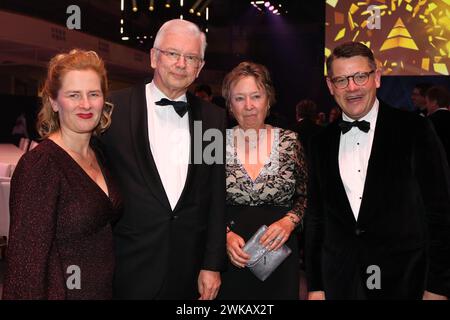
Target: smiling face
[[79, 102], [355, 101], [249, 103], [174, 76]]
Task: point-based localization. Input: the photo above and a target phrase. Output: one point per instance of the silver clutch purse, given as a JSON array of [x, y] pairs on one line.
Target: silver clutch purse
[[262, 261]]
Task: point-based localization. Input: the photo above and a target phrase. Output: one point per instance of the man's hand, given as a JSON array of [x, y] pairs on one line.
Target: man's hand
[[208, 284], [427, 295], [316, 295]]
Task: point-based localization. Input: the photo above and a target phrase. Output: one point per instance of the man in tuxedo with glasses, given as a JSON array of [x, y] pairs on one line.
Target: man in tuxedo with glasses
[[378, 216], [170, 242]]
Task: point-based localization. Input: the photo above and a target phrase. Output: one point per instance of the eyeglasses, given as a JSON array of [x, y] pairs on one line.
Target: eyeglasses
[[359, 78], [191, 60]]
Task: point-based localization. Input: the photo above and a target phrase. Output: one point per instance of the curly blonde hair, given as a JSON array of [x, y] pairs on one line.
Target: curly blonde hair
[[59, 66]]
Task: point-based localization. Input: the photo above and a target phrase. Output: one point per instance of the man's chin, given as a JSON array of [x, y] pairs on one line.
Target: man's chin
[[355, 115]]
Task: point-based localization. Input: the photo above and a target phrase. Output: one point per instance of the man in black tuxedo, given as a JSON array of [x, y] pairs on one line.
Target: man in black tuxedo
[[437, 102], [378, 217], [170, 242]]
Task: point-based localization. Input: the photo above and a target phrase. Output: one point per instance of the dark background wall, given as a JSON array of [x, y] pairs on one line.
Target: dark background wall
[[11, 108], [291, 46]]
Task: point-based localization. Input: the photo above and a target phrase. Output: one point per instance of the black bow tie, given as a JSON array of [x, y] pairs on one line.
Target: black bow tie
[[346, 125], [180, 107]]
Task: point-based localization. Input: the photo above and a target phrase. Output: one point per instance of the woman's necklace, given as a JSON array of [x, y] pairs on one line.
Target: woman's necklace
[[251, 137], [84, 162]]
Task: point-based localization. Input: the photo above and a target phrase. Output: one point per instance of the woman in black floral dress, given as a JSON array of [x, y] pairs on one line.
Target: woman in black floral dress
[[266, 185]]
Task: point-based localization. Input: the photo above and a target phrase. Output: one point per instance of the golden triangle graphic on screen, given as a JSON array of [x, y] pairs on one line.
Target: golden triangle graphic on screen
[[408, 37]]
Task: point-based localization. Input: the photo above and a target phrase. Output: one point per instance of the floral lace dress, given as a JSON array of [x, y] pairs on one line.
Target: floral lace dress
[[279, 188]]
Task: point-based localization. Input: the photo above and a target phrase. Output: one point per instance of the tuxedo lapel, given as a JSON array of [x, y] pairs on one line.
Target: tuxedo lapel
[[141, 144], [194, 113], [335, 175], [377, 163]]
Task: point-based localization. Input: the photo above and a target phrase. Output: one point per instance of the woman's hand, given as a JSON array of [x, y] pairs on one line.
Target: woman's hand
[[277, 233], [237, 256]]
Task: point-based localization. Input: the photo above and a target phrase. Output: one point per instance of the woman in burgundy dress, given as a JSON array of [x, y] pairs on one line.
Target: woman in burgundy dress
[[63, 200]]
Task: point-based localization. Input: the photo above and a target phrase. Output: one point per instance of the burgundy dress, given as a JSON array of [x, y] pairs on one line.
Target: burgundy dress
[[60, 224]]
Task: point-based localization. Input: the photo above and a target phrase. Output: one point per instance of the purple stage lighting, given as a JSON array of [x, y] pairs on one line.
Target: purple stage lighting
[[267, 6]]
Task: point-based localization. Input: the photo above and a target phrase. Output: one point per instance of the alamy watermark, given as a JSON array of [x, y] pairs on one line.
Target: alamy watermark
[[374, 280], [74, 280], [374, 20], [209, 147], [74, 20]]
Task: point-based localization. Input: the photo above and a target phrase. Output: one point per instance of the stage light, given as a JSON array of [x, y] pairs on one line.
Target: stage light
[[196, 4], [121, 5], [151, 6], [125, 38], [167, 4], [135, 8], [267, 6], [203, 7]]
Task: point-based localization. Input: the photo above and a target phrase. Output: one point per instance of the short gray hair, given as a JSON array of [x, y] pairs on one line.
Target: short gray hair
[[179, 25]]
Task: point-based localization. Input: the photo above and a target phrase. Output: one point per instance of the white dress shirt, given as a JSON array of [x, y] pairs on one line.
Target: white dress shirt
[[444, 109], [354, 153], [170, 141]]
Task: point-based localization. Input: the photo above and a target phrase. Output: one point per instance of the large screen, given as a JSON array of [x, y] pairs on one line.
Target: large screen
[[408, 37]]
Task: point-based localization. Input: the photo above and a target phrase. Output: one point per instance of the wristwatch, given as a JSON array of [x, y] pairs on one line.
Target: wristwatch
[[293, 220]]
